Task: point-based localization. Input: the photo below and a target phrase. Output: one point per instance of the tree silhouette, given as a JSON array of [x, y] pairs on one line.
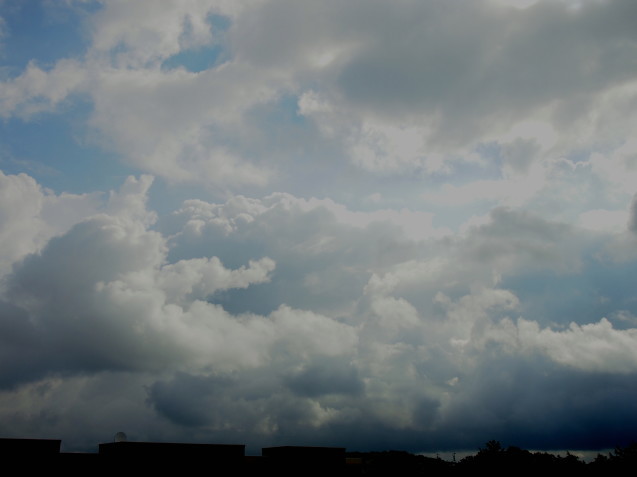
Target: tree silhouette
[[493, 447]]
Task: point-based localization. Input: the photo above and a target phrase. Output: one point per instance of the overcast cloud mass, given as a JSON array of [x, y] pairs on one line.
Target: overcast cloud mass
[[379, 225]]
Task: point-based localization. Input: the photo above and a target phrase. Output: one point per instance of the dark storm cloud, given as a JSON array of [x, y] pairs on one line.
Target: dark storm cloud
[[529, 403], [533, 403]]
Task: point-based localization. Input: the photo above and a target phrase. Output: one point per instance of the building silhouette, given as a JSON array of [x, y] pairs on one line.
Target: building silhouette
[[192, 459]]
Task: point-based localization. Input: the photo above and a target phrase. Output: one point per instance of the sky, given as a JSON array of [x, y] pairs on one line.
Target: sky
[[377, 225]]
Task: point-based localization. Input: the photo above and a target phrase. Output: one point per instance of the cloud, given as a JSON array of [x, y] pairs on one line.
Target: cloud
[[144, 35], [448, 85], [278, 317], [591, 347], [327, 376], [632, 219], [404, 225], [38, 90], [3, 32], [200, 278], [603, 220], [93, 292], [415, 90], [31, 215]]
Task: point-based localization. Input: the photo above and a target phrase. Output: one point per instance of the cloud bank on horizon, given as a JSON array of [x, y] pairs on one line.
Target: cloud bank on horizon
[[372, 224]]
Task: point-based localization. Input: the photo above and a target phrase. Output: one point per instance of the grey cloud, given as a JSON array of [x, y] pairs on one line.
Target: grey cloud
[[186, 399], [76, 254], [70, 330], [321, 261], [326, 376], [519, 154], [516, 237], [473, 64], [250, 405], [20, 347], [632, 217]]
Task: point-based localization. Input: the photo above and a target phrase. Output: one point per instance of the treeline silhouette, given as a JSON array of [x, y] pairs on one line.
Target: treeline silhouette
[[495, 459]]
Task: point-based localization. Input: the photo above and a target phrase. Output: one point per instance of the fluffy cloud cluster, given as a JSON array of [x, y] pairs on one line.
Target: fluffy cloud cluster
[[323, 328]]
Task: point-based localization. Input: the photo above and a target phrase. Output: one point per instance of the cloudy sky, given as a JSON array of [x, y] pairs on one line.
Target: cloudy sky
[[379, 225]]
